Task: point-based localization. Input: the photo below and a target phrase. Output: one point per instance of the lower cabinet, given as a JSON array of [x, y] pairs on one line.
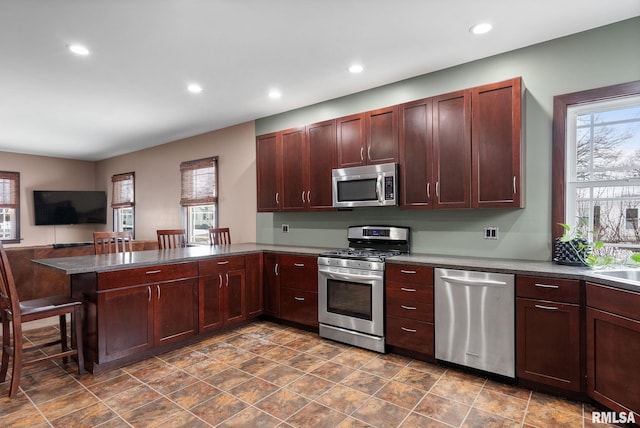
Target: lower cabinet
[[548, 332], [298, 278], [271, 281], [613, 348], [409, 308], [222, 292], [254, 285]]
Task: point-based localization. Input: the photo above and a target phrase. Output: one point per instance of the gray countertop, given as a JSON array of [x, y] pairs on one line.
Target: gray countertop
[[109, 262]]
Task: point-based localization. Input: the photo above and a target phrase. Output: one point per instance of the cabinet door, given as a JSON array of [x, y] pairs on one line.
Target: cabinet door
[[253, 285], [320, 159], [271, 278], [350, 140], [269, 170], [416, 160], [234, 297], [293, 190], [452, 149], [613, 347], [382, 135], [548, 343], [175, 310], [211, 316], [125, 322], [497, 180]]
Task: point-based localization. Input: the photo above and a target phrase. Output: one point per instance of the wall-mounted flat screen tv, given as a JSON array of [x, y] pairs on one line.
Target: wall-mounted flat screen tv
[[69, 207]]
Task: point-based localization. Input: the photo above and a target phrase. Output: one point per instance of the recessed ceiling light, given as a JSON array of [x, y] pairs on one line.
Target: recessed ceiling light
[[356, 68], [79, 49], [274, 93], [482, 28], [194, 88]]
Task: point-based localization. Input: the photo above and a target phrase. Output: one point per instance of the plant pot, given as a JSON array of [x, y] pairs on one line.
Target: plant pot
[[572, 253]]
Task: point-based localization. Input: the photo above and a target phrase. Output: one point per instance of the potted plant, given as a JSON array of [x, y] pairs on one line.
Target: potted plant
[[574, 249]]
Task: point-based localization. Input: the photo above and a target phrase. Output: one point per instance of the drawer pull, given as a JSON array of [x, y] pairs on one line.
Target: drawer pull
[[409, 308], [223, 262], [547, 286], [549, 308], [300, 299], [408, 330], [409, 290], [150, 272], [158, 288], [298, 264], [408, 272]]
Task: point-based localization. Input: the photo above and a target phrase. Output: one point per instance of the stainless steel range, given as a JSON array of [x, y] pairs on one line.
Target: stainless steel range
[[351, 285]]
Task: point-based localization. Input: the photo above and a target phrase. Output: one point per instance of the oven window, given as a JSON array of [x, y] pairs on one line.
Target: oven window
[[349, 298], [357, 190]]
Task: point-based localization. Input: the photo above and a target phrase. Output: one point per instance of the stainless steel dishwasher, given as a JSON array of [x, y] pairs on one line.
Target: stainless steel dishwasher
[[474, 320]]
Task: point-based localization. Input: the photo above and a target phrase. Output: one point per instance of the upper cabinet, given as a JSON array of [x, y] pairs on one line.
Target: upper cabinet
[[497, 147], [458, 150], [368, 138]]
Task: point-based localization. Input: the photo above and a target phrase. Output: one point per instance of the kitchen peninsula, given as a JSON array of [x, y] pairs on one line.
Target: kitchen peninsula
[[148, 302]]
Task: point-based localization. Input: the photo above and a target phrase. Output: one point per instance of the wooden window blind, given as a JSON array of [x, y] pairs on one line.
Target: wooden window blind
[[123, 195], [199, 180], [9, 190]]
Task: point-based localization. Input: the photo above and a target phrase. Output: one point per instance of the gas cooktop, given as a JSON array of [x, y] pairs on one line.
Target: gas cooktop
[[361, 254], [373, 243]]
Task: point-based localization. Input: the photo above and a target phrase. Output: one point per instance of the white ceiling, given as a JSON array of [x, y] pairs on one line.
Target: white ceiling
[[130, 93]]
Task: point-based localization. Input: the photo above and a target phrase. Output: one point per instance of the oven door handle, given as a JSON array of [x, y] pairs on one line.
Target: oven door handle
[[349, 277]]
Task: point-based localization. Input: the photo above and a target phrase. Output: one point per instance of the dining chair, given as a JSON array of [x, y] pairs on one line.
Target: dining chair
[[15, 313], [171, 238], [219, 236], [112, 242]]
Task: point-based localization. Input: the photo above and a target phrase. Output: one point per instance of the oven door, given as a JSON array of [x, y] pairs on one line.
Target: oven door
[[351, 300]]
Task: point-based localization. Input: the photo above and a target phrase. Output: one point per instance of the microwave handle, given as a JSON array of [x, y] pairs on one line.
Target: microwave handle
[[379, 190]]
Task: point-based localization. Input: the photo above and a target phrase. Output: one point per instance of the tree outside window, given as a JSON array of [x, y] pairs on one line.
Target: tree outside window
[[123, 202], [199, 198]]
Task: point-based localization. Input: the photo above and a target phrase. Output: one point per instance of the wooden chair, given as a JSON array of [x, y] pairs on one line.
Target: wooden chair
[[171, 238], [15, 313], [219, 236], [112, 242]]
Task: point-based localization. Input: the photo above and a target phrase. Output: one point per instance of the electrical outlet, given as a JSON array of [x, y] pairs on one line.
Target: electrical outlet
[[285, 228], [491, 233]]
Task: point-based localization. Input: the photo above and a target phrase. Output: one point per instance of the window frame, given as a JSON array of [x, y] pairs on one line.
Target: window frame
[[559, 133], [191, 196], [13, 204], [119, 201]]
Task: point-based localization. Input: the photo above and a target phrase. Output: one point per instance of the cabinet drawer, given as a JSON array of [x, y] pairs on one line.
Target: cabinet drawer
[[299, 306], [555, 289], [420, 311], [409, 273], [299, 261], [145, 275], [409, 291], [615, 300], [222, 264], [299, 272], [410, 334]]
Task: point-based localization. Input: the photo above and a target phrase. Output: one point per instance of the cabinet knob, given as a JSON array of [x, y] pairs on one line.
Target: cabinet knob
[[300, 299], [362, 153], [409, 308], [408, 330], [298, 264], [409, 290], [409, 272]]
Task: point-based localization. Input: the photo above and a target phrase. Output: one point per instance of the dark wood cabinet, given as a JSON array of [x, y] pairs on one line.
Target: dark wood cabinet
[[298, 277], [548, 332], [271, 280], [254, 285], [435, 152], [409, 308], [319, 160], [175, 310], [222, 292], [268, 172], [293, 169], [350, 140], [613, 347], [497, 148]]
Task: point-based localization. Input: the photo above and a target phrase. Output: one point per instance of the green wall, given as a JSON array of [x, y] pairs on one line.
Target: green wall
[[596, 58]]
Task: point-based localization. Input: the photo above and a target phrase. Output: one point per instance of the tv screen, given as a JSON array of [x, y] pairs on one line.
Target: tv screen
[[69, 207]]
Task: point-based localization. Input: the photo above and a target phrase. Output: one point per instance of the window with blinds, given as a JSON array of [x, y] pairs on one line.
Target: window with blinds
[[199, 198], [123, 201], [9, 206]]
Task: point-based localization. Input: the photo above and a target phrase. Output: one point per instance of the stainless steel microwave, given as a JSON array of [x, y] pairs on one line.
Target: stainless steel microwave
[[365, 186]]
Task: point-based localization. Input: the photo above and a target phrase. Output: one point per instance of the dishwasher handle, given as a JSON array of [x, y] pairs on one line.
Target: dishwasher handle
[[473, 282]]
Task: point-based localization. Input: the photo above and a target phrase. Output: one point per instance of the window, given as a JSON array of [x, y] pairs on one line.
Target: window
[[199, 198], [123, 201], [596, 164], [9, 207]]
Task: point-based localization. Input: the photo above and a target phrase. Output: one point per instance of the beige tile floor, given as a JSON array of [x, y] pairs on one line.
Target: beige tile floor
[[268, 375]]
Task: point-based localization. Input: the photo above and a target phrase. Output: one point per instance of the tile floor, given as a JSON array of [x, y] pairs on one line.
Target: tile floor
[[268, 375]]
